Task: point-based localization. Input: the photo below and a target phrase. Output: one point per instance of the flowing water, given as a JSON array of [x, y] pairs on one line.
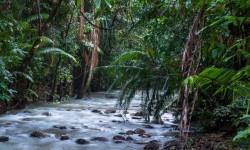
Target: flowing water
[[80, 122]]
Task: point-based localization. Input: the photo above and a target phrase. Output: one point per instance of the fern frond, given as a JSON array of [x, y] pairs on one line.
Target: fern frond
[[43, 16]]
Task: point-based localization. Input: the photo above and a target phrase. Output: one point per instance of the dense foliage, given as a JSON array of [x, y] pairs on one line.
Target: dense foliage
[[189, 55]]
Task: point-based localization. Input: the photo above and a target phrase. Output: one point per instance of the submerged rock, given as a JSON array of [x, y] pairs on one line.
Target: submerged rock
[[46, 114], [82, 141], [139, 131], [60, 127], [136, 117], [103, 139], [118, 137], [110, 110], [152, 145], [27, 111], [96, 111], [118, 141], [148, 126], [38, 134], [64, 137], [118, 115], [4, 138]]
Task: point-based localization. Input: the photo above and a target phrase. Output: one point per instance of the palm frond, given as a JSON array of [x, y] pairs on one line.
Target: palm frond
[[56, 51]]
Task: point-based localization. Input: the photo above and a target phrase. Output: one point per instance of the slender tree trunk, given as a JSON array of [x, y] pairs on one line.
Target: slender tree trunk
[[190, 64], [94, 57]]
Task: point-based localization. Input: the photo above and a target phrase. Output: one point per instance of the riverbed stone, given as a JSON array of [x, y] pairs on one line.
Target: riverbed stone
[[172, 144], [139, 131], [119, 137], [110, 110], [64, 137], [152, 145], [102, 139], [148, 126], [129, 132], [129, 138], [4, 138], [38, 134], [82, 141]]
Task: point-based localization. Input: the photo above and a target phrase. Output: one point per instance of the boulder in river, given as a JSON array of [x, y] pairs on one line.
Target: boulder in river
[[129, 138], [139, 131], [145, 135], [38, 134], [64, 137], [4, 138], [130, 132], [118, 115], [119, 137], [82, 141], [152, 145], [103, 139]]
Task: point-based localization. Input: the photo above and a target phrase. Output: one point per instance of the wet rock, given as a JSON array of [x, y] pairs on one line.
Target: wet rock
[[136, 117], [46, 114], [148, 126], [155, 122], [82, 141], [103, 139], [138, 114], [96, 111], [173, 144], [64, 137], [139, 131], [129, 138], [119, 138], [152, 145], [118, 141], [110, 110], [130, 132], [117, 121], [38, 134], [60, 127], [4, 138], [145, 135], [72, 127], [122, 133], [27, 111], [118, 115]]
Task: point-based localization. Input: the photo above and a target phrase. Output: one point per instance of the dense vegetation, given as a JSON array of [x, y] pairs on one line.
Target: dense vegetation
[[189, 56]]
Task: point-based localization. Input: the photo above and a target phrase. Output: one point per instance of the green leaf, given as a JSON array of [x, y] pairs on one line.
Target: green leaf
[[108, 3], [97, 4], [78, 4], [129, 56]]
